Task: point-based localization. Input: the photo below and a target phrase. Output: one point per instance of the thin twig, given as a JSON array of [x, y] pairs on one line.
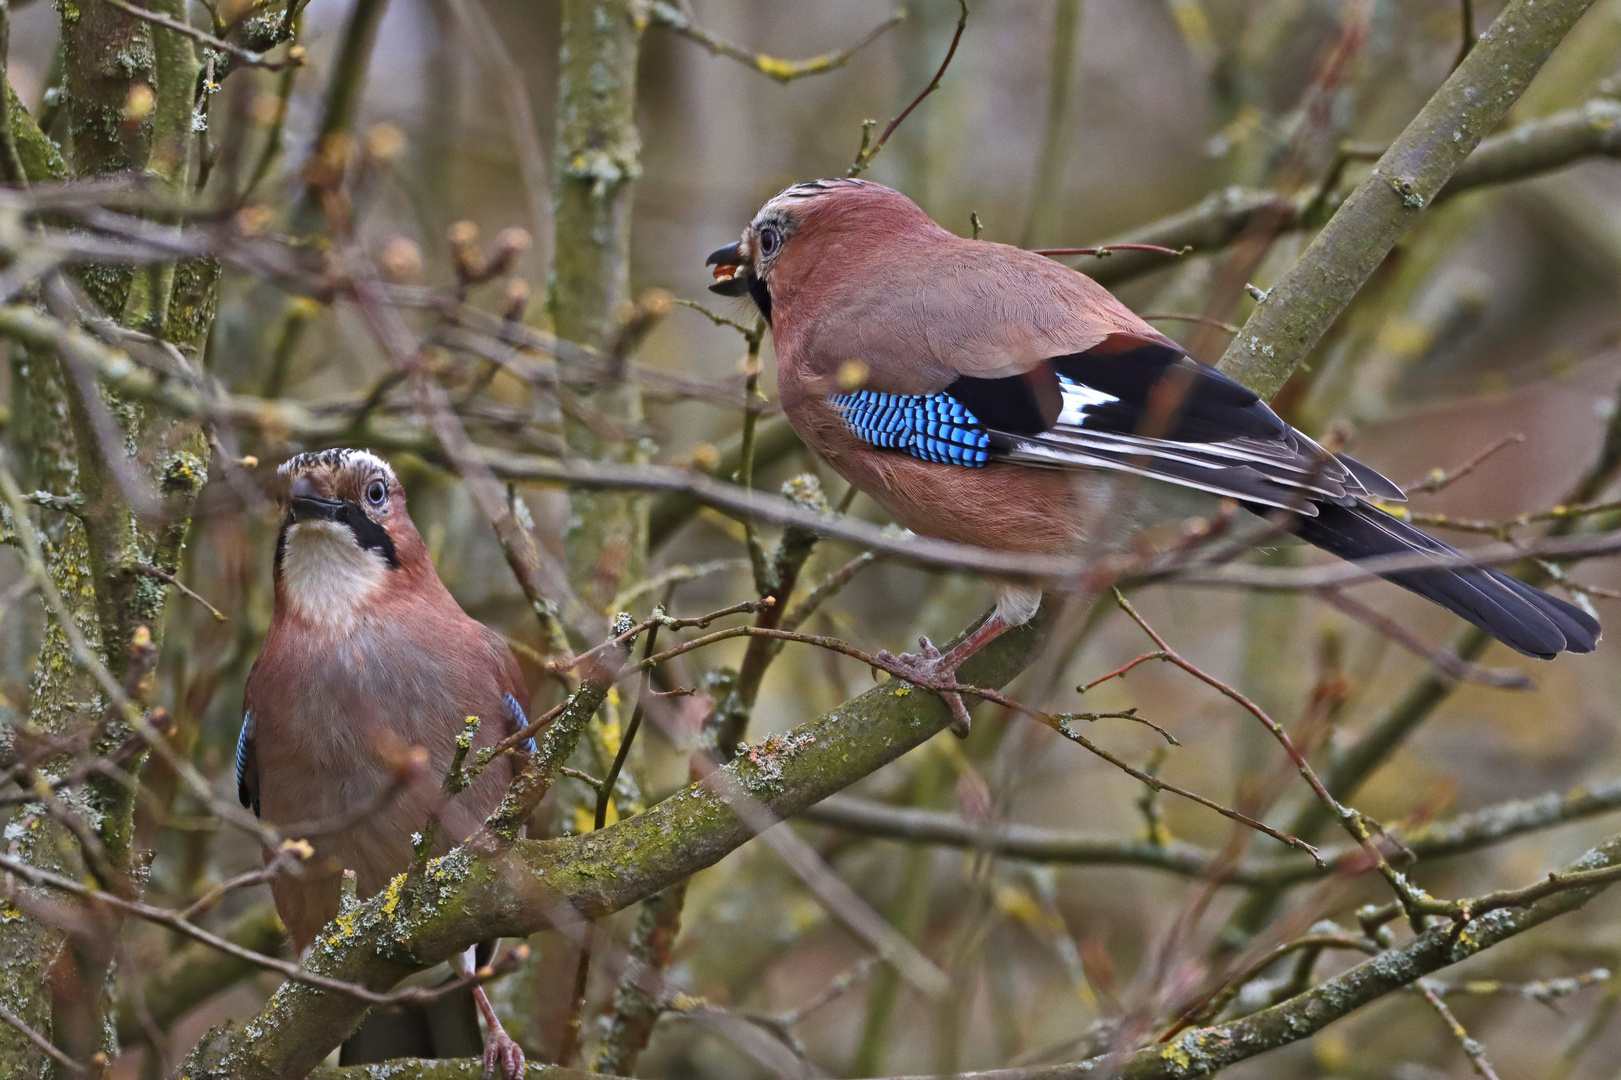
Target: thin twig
[[1056, 722], [869, 150], [1466, 15], [1472, 1049], [827, 589], [1448, 663], [784, 71], [1106, 250], [1413, 900], [184, 590], [1441, 478], [295, 55], [41, 1042], [1203, 320], [1546, 991], [1209, 1005]]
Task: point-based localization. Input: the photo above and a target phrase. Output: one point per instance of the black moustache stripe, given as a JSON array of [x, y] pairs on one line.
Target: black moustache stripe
[[761, 297], [369, 535]]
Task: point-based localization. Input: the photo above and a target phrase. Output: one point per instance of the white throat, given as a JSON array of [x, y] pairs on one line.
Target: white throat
[[326, 576]]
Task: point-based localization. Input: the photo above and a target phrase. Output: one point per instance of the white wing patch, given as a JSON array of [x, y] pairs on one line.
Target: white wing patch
[[1285, 473], [1077, 399]]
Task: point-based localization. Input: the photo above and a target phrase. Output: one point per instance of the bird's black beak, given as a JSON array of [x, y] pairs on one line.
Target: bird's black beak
[[731, 276], [730, 255], [305, 504]]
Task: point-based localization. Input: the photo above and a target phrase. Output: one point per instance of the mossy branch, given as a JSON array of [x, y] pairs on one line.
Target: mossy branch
[[1297, 311], [514, 890], [1201, 1051], [1539, 146]]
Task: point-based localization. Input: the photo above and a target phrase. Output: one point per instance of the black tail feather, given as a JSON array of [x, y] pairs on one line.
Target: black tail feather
[[1525, 619]]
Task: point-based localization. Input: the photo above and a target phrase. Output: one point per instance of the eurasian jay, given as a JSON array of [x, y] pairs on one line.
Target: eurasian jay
[[981, 393], [367, 656]]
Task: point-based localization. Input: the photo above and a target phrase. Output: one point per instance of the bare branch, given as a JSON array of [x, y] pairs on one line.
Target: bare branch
[[784, 71], [1281, 332], [869, 149], [247, 57], [184, 590]]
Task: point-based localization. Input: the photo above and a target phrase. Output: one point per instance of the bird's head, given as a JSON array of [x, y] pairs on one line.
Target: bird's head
[[808, 222], [345, 534]]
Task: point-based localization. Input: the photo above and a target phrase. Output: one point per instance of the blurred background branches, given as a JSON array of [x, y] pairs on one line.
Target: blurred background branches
[[469, 234]]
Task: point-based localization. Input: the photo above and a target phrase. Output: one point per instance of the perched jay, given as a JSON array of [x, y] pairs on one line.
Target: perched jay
[[981, 393], [368, 656]]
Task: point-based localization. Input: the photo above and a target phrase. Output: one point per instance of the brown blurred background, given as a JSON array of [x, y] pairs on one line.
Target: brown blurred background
[[1498, 315]]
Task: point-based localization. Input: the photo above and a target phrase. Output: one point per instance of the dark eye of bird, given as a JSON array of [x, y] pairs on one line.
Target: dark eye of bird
[[770, 241], [377, 493]]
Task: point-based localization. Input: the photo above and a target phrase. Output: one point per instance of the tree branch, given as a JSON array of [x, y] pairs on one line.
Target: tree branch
[[1466, 832], [784, 71], [1284, 328], [1531, 149], [196, 972], [514, 890], [1201, 1051]]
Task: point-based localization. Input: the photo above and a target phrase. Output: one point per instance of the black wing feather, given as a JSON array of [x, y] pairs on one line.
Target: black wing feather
[[1210, 433], [1138, 406], [1220, 437], [1525, 619]]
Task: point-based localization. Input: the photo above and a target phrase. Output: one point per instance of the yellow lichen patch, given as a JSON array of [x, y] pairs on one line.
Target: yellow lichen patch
[[391, 896], [346, 928], [1177, 1056], [903, 691], [784, 70]]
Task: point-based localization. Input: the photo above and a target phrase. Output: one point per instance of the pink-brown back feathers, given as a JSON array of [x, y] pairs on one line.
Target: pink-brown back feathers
[[984, 394]]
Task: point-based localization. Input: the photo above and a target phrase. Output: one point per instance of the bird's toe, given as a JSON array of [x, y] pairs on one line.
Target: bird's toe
[[926, 668], [503, 1058]]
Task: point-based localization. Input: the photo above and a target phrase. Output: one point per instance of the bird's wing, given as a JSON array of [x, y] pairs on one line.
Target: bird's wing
[[517, 720], [1130, 404], [247, 767]]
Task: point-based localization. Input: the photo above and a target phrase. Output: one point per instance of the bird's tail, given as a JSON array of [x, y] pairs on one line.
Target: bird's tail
[[1525, 619]]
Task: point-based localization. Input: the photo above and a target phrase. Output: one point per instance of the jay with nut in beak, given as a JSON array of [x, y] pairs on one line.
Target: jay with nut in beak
[[983, 394], [369, 662]]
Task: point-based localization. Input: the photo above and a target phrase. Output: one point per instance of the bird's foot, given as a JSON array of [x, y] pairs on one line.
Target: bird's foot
[[927, 668], [503, 1057]]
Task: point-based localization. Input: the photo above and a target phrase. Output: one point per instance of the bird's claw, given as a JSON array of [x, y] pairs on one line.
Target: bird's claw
[[503, 1057], [925, 668]]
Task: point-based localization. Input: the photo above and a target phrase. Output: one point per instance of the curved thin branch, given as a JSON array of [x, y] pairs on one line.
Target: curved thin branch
[[784, 71]]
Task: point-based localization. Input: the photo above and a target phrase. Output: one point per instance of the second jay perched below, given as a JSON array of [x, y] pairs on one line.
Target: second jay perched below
[[999, 386]]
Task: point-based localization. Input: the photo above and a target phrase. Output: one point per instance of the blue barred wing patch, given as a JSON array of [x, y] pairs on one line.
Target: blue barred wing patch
[[244, 753], [517, 721], [934, 427]]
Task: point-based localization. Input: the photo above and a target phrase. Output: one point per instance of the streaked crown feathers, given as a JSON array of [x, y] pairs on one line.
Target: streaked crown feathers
[[338, 459]]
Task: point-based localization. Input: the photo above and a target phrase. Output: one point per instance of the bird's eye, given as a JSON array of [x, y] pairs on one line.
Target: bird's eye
[[377, 493], [770, 241]]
